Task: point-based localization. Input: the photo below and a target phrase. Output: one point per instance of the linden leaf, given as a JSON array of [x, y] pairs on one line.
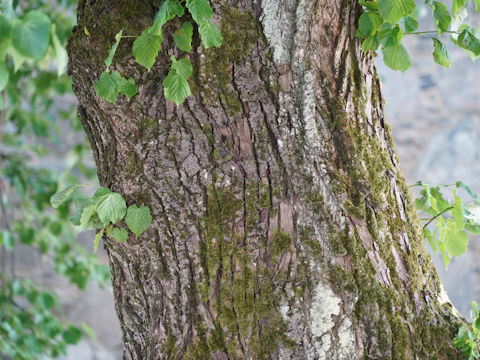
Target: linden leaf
[[167, 11], [60, 197], [369, 23], [396, 58], [30, 36], [146, 47], [183, 67], [441, 16], [138, 219], [393, 10], [110, 206], [106, 87], [176, 88], [120, 235], [210, 34], [440, 53], [4, 75], [97, 239], [183, 37], [109, 59], [200, 10]]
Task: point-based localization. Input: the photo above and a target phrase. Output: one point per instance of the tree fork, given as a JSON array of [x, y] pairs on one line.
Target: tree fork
[[282, 227]]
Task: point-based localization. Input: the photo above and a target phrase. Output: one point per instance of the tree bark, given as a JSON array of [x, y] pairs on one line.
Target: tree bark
[[282, 227]]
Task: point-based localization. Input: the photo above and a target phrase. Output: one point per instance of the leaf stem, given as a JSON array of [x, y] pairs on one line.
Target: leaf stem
[[431, 32], [436, 216]]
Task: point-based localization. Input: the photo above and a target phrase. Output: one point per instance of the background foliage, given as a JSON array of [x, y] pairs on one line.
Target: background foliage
[[33, 83]]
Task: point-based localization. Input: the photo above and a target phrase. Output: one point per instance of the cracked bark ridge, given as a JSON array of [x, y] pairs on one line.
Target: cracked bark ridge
[[282, 227]]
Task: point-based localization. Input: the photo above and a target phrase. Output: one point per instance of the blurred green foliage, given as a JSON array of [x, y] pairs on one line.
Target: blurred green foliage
[[41, 151]]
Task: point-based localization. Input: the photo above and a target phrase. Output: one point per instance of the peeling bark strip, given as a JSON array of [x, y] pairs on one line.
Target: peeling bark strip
[[282, 228]]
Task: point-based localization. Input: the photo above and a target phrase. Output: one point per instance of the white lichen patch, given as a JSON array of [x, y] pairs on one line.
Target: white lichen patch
[[312, 134], [443, 296], [346, 340], [278, 26], [324, 304]]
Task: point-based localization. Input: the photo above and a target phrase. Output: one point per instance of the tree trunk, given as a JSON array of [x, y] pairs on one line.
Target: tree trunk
[[283, 228]]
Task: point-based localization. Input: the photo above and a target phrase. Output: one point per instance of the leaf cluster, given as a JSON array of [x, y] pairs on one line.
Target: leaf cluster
[[33, 331], [147, 46], [33, 61], [103, 210], [452, 219], [384, 24], [468, 337]]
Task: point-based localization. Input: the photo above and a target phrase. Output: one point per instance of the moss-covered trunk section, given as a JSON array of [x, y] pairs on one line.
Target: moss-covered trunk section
[[282, 227]]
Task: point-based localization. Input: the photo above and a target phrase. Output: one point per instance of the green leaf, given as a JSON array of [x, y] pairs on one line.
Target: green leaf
[[109, 231], [469, 191], [393, 10], [182, 67], [106, 87], [370, 43], [60, 53], [4, 75], [60, 197], [200, 10], [120, 235], [457, 5], [138, 219], [167, 11], [183, 37], [124, 86], [410, 24], [27, 236], [80, 204], [396, 58], [97, 239], [176, 88], [427, 234], [210, 34], [87, 214], [5, 29], [469, 41], [89, 331], [46, 300], [457, 243], [441, 16], [440, 53], [110, 85], [370, 5], [72, 335], [30, 35], [369, 23], [7, 240], [146, 47], [17, 59], [127, 87], [474, 229], [109, 59], [110, 206], [390, 37]]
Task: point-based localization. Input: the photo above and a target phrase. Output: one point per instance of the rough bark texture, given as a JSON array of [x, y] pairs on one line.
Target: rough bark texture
[[282, 227]]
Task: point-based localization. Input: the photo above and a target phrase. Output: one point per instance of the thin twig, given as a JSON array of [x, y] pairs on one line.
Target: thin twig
[[432, 32], [436, 216]]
